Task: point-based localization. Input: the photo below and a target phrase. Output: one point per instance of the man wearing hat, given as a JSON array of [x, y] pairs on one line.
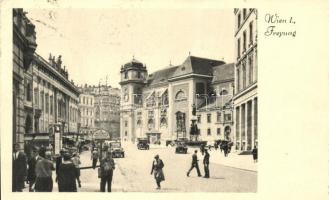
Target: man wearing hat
[[19, 169], [206, 163], [31, 176], [157, 167]]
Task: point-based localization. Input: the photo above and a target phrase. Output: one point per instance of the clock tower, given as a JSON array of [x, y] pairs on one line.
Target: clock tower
[[133, 79]]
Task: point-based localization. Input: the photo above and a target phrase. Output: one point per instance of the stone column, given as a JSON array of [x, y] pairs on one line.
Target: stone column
[[252, 123]]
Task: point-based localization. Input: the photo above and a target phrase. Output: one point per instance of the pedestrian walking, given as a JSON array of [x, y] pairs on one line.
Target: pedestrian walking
[[255, 154], [76, 161], [19, 169], [225, 149], [31, 175], [157, 168], [43, 171], [107, 167], [206, 163], [195, 164], [94, 157], [59, 159], [67, 175]]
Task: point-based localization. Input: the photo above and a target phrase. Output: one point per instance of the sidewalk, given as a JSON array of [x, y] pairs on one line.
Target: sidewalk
[[244, 162]]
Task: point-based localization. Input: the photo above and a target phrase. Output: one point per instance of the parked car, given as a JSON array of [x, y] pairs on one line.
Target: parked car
[[116, 149], [143, 143], [181, 147]]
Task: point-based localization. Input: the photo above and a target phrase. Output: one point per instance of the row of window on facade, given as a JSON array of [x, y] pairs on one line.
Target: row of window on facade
[[227, 117], [241, 19], [87, 122], [46, 104], [86, 100], [244, 40], [137, 75], [246, 73], [86, 112]]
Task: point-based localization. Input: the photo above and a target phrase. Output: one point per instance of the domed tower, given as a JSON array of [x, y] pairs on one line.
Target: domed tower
[[133, 78]]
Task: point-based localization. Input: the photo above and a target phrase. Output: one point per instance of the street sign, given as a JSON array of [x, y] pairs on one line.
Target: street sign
[[101, 135]]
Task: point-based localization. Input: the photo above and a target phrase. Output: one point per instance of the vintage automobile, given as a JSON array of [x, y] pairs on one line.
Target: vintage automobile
[[143, 143], [181, 147], [116, 149]]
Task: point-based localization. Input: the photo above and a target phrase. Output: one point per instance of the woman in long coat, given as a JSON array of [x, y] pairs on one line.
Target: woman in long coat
[[67, 175], [157, 168]]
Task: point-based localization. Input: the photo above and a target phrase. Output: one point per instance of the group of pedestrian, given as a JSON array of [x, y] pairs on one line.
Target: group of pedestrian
[[195, 164], [37, 170]]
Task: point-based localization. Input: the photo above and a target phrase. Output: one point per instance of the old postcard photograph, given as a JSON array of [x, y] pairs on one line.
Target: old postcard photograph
[[155, 98]]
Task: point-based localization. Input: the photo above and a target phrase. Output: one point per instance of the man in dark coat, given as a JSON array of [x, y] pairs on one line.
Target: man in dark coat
[[19, 169], [107, 167], [31, 175], [206, 163], [194, 164], [255, 153]]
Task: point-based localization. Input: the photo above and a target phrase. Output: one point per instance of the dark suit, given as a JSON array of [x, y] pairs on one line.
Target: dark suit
[[206, 164], [31, 176], [58, 163], [19, 171], [194, 164]]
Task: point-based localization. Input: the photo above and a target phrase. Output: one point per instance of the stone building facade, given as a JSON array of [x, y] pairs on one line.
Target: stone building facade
[[24, 46], [87, 113], [245, 95], [215, 116], [106, 108], [55, 98], [159, 105]]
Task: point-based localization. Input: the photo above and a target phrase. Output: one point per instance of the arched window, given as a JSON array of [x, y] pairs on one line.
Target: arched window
[[180, 95], [139, 122]]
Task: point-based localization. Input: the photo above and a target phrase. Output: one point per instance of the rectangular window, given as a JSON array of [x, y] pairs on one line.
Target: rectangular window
[[36, 96], [250, 34], [239, 20], [126, 124], [47, 104], [244, 41], [42, 106], [244, 13], [51, 104], [239, 47], [228, 117], [199, 118], [209, 118], [218, 116], [218, 131], [208, 131]]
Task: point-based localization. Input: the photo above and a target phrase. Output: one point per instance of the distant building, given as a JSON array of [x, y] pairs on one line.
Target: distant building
[[24, 46], [245, 94], [106, 108], [87, 114], [215, 117], [159, 105]]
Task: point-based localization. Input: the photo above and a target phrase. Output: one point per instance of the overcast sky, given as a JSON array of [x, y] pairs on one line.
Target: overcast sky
[[94, 43]]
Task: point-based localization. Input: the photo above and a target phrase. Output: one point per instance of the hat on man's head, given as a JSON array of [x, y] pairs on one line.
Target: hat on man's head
[[156, 156]]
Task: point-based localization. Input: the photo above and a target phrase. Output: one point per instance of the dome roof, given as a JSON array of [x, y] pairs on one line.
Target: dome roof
[[134, 64]]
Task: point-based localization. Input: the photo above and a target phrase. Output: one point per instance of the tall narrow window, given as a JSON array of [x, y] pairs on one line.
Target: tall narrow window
[[250, 33], [244, 41], [218, 116], [209, 118], [239, 20], [126, 75], [238, 80], [239, 48], [51, 105], [218, 131], [244, 13], [251, 70], [208, 131], [243, 76]]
